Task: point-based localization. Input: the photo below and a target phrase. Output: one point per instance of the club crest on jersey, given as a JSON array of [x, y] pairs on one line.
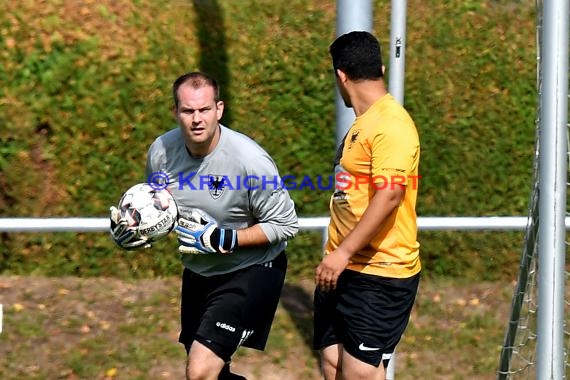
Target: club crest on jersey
[[216, 185], [353, 138]]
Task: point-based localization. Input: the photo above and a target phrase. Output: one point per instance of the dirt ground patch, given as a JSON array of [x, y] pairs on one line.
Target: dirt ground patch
[[105, 328], [126, 330]]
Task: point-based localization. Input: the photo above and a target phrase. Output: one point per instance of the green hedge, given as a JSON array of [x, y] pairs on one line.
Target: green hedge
[[86, 88]]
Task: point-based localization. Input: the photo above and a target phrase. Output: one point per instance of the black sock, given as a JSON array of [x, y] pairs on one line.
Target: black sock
[[225, 374]]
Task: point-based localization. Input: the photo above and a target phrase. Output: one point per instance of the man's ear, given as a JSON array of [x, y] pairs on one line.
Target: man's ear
[[220, 109], [341, 75]]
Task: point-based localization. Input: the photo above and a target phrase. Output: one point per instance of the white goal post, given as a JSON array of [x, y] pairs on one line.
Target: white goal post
[[435, 223]]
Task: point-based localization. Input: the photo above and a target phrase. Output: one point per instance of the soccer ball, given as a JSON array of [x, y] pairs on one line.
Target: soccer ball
[[150, 212]]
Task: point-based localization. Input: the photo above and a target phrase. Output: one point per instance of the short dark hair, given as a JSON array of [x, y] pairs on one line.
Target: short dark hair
[[196, 79], [358, 55]]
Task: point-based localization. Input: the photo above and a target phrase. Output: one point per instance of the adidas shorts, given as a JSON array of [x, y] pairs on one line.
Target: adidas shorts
[[366, 314], [226, 311]]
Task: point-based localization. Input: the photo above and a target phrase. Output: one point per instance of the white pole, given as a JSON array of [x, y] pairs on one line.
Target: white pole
[[397, 50], [553, 164], [425, 223], [350, 15], [396, 85]]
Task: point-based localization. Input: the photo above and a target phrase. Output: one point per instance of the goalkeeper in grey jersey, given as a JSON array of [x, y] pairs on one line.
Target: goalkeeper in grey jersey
[[235, 220]]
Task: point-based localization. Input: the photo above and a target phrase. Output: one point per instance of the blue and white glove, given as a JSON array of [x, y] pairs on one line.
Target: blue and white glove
[[123, 236], [201, 235]]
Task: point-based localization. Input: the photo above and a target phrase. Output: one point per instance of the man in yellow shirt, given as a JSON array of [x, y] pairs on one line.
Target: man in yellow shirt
[[367, 281]]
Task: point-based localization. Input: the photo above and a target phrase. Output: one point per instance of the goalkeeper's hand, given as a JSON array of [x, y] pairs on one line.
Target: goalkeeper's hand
[[123, 236], [200, 234]]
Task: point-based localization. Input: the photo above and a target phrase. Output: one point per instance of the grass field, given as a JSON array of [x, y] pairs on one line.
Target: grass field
[[105, 328]]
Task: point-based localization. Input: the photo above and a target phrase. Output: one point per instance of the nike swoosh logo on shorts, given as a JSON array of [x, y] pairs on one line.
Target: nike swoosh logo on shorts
[[362, 347]]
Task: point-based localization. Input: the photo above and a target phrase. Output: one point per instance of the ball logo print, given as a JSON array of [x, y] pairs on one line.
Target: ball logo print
[[149, 212]]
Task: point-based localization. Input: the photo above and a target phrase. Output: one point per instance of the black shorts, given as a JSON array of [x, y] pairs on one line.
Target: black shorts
[[366, 314], [226, 311]]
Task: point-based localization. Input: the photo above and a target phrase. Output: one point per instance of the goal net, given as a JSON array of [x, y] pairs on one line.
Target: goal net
[[524, 355]]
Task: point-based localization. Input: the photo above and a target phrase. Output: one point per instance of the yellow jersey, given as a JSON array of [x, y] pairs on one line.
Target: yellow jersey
[[381, 149]]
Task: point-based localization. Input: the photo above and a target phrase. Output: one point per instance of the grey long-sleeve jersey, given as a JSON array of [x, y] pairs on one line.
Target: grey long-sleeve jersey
[[238, 184]]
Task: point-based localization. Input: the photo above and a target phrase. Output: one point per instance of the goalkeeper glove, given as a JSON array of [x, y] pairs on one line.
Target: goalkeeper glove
[[201, 235], [123, 236]]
